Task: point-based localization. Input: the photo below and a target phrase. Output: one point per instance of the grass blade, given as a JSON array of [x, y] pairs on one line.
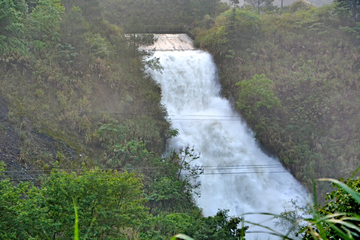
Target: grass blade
[[344, 223], [272, 231], [181, 236], [76, 228], [341, 233], [314, 193], [355, 172], [354, 194]]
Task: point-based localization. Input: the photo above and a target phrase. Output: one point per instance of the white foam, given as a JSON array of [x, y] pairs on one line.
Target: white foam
[[205, 120]]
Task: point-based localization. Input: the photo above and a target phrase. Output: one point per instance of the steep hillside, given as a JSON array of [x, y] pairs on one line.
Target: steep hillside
[[77, 109], [72, 78], [305, 108], [159, 16], [74, 97]]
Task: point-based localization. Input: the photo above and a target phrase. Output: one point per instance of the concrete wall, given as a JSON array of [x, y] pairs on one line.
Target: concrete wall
[[171, 42]]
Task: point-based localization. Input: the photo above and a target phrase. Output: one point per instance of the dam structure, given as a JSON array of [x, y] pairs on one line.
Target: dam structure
[[171, 42], [237, 175]]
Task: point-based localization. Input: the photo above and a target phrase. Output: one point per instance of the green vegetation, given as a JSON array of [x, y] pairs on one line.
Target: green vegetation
[[108, 203], [341, 211], [73, 91], [257, 95], [306, 112], [105, 205], [337, 219], [159, 16], [73, 97], [72, 75]]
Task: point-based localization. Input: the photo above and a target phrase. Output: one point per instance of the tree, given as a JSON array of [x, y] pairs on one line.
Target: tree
[[175, 185], [235, 2], [90, 9], [138, 39], [242, 28], [260, 4], [353, 6], [256, 94], [43, 29], [108, 202], [12, 17], [220, 226], [22, 210], [193, 224]]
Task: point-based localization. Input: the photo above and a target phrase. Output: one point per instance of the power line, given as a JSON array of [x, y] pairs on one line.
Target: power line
[[204, 173], [26, 178], [245, 166], [239, 173], [146, 114], [202, 170], [236, 117], [34, 176]]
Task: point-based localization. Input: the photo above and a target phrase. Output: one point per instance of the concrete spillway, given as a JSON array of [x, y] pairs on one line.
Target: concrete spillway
[[171, 42]]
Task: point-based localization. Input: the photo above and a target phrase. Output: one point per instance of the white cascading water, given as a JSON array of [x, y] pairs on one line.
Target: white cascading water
[[237, 175]]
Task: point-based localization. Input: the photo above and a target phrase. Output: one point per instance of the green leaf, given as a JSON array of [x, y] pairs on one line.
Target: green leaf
[[181, 236], [76, 228], [355, 172]]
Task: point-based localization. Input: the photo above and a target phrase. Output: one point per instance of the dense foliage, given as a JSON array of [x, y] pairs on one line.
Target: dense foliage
[[73, 90], [159, 16], [310, 56], [340, 201], [109, 203], [12, 14], [65, 74]]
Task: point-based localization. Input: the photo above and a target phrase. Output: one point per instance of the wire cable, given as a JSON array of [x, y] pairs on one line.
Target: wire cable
[[35, 176], [249, 166]]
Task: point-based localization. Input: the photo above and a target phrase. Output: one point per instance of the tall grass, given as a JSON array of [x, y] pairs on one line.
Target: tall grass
[[76, 228]]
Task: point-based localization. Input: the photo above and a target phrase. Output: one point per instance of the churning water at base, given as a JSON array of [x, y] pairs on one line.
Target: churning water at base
[[237, 175]]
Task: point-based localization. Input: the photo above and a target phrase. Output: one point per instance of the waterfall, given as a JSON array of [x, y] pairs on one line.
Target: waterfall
[[237, 175]]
